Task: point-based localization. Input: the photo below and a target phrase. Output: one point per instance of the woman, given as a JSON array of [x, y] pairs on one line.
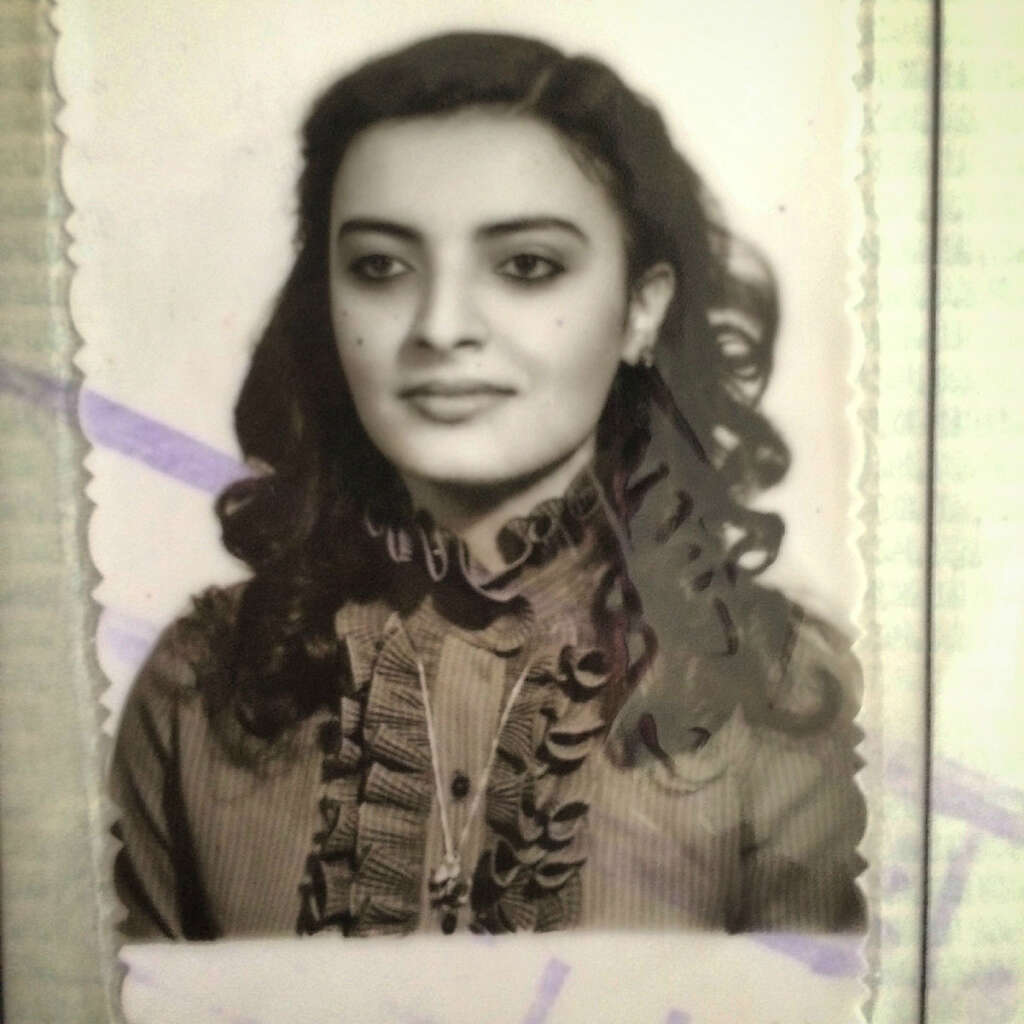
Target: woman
[[503, 663]]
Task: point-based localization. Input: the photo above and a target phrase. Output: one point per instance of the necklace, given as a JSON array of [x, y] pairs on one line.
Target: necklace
[[448, 887]]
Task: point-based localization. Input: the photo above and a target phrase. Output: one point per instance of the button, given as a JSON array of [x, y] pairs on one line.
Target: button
[[460, 785]]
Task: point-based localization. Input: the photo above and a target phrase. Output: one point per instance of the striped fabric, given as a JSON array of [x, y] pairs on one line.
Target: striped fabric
[[753, 829]]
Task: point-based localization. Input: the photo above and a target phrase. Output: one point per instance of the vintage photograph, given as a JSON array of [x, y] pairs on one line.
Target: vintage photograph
[[504, 661], [473, 475]]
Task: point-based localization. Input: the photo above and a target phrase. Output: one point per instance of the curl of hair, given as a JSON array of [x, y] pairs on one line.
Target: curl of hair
[[298, 524]]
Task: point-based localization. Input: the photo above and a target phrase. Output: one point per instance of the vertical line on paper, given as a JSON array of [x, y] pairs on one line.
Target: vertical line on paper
[[935, 156]]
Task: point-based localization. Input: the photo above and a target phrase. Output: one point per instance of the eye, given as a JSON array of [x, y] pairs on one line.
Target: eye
[[378, 267], [529, 267]]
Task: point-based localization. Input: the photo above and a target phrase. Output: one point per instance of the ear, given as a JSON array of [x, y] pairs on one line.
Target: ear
[[648, 303]]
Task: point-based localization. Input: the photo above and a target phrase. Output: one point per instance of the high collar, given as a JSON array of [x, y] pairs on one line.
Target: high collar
[[555, 558]]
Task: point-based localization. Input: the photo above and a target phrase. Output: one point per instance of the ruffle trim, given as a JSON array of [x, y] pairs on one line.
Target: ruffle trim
[[525, 541], [365, 873], [528, 879]]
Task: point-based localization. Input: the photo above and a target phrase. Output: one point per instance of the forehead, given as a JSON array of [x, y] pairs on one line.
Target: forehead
[[471, 167]]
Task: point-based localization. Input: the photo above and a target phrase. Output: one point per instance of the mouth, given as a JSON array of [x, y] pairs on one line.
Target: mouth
[[454, 389], [454, 401]]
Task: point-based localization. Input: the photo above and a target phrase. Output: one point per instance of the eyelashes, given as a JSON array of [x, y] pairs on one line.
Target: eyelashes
[[378, 267], [530, 268], [525, 268]]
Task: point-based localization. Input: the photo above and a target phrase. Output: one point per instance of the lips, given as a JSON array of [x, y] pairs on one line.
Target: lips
[[454, 401], [454, 389]]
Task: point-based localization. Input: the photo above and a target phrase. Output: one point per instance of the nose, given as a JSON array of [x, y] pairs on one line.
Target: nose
[[449, 317]]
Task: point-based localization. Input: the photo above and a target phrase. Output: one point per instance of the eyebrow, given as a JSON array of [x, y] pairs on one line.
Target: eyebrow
[[511, 227], [381, 227], [497, 230]]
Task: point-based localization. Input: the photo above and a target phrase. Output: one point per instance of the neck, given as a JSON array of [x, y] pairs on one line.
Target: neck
[[476, 513]]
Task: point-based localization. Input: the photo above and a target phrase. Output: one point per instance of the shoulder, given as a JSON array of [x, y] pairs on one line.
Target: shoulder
[[191, 655], [791, 683], [816, 684], [199, 641], [802, 802]]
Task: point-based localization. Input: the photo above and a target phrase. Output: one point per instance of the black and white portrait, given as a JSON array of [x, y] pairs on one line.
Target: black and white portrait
[[471, 608]]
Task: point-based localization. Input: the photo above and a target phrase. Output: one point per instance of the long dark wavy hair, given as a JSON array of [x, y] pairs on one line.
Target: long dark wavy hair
[[297, 522]]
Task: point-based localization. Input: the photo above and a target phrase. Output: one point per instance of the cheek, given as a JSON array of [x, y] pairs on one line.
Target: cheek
[[584, 344], [364, 371], [367, 337], [363, 318], [370, 383], [354, 324]]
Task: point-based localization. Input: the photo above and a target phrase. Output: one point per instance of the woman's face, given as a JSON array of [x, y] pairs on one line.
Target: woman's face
[[479, 297]]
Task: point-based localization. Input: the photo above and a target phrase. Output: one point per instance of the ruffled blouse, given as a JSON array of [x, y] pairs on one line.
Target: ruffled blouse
[[336, 826]]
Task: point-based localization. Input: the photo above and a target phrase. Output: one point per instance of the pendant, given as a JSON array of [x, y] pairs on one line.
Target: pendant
[[448, 891]]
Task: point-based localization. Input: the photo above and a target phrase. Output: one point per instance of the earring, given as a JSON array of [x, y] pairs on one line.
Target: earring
[[646, 358]]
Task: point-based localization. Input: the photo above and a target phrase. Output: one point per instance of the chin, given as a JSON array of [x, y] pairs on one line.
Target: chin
[[501, 474], [440, 462], [467, 478]]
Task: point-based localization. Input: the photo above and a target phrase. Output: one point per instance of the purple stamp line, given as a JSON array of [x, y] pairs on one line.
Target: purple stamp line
[[954, 884], [827, 958], [677, 1017], [37, 389], [550, 984], [961, 794], [160, 447], [954, 797], [120, 428]]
